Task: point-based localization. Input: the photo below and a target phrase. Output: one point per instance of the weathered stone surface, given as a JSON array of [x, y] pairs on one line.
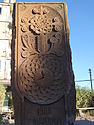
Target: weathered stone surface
[[42, 77]]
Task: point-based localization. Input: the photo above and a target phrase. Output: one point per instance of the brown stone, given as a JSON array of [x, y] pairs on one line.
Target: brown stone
[[42, 78]]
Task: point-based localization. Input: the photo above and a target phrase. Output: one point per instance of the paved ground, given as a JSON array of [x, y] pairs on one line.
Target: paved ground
[[79, 122], [84, 122]]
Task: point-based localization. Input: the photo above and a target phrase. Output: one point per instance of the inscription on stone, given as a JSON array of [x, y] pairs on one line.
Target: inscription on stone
[[42, 111], [42, 77], [47, 121]]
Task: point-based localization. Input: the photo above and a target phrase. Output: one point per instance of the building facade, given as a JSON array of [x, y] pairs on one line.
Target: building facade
[[5, 41]]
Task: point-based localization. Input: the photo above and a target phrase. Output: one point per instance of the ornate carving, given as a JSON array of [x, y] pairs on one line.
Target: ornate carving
[[40, 22], [32, 44], [41, 73], [24, 25], [42, 78], [45, 30]]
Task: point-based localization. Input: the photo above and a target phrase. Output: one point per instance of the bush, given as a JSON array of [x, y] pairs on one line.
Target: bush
[[2, 94], [84, 98]]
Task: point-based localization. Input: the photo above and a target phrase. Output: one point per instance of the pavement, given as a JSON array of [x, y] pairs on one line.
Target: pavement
[[84, 122], [78, 122]]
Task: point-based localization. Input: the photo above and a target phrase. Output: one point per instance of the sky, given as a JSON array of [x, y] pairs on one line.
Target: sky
[[81, 23]]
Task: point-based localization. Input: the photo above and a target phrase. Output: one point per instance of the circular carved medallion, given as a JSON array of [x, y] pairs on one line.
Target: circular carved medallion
[[41, 79]]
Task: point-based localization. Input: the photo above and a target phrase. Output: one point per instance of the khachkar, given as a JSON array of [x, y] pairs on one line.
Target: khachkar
[[42, 77]]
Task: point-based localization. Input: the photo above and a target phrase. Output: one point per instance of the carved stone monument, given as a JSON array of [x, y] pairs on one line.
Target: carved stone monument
[[42, 78]]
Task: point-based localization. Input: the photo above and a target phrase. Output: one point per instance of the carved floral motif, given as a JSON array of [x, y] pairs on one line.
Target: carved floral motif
[[41, 73], [40, 22], [42, 78], [24, 25]]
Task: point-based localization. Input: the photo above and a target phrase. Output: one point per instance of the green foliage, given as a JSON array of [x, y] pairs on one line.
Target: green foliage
[[2, 94], [84, 98], [10, 103]]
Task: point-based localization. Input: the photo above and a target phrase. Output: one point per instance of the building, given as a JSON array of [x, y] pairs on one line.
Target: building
[[5, 46], [5, 41]]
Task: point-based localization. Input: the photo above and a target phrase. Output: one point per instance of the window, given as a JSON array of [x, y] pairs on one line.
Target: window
[[0, 10]]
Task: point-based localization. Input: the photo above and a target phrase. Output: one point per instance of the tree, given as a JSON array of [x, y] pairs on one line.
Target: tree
[[2, 94]]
